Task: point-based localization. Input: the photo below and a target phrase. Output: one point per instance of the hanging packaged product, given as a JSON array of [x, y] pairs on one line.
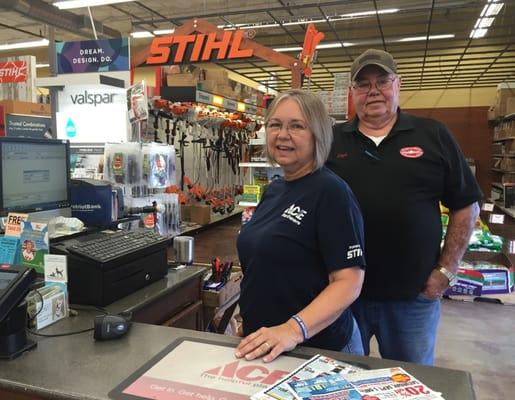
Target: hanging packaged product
[[123, 163], [158, 165]]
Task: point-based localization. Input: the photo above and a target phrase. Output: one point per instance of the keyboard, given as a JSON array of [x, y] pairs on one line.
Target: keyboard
[[116, 245]]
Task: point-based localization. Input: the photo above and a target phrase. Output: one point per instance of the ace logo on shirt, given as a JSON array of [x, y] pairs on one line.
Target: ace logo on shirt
[[294, 214]]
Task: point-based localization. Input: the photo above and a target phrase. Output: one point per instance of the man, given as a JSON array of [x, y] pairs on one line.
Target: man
[[399, 167]]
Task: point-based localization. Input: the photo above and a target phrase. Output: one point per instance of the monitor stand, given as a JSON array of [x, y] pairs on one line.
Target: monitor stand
[[13, 336]]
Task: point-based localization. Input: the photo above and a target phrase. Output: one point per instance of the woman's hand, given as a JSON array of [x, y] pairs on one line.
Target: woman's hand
[[270, 342]]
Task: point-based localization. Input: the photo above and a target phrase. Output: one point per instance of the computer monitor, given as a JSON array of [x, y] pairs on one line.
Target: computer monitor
[[35, 177]]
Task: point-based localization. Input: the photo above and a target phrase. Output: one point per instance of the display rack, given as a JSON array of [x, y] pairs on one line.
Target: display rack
[[503, 162]]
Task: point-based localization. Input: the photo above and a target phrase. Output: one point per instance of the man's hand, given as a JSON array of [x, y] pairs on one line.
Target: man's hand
[[436, 285]]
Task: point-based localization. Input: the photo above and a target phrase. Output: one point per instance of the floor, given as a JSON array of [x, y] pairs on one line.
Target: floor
[[476, 337]]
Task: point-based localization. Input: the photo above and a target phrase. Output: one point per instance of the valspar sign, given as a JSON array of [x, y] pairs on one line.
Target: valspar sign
[[92, 114]]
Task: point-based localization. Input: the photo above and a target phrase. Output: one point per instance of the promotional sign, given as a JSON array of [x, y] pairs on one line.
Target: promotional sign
[[92, 114], [27, 126], [13, 71], [18, 78], [93, 56], [215, 375]]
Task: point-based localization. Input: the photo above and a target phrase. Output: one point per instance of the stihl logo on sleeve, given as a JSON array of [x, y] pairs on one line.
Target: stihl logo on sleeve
[[354, 251], [411, 152]]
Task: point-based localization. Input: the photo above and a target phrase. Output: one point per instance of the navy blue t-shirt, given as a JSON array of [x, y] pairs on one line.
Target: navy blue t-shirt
[[301, 231]]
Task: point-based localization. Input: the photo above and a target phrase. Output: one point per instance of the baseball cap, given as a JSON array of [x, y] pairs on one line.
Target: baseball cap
[[373, 57]]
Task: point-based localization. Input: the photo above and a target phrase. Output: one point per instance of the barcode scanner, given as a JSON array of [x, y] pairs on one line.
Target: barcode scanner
[[109, 327]]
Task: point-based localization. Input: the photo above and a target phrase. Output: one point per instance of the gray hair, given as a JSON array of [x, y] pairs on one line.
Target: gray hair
[[317, 119]]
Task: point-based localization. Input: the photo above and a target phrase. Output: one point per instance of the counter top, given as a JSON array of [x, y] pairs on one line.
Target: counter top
[[78, 368]]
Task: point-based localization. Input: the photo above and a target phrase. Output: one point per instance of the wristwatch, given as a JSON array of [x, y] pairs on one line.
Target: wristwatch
[[453, 278]]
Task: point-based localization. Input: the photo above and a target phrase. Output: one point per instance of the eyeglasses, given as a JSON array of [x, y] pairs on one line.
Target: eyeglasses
[[293, 127], [364, 86]]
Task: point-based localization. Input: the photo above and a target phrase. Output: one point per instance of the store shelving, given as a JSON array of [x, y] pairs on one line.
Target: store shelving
[[503, 162]]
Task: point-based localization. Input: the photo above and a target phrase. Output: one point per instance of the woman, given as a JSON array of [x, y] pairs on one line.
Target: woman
[[302, 251]]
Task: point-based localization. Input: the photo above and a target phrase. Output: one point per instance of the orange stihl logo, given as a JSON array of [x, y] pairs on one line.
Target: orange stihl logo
[[197, 48]]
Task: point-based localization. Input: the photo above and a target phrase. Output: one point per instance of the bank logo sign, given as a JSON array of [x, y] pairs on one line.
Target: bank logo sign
[[93, 56]]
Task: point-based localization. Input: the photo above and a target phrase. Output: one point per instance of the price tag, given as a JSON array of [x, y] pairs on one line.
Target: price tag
[[488, 207], [497, 218], [511, 247]]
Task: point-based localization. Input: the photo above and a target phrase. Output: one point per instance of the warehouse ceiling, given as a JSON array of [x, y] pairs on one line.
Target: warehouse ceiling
[[450, 58]]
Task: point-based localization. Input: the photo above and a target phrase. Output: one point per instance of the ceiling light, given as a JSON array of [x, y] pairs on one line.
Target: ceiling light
[[431, 37], [141, 34], [478, 33], [484, 22], [66, 5], [42, 65], [303, 22], [24, 45], [163, 31], [330, 45], [368, 13], [492, 9]]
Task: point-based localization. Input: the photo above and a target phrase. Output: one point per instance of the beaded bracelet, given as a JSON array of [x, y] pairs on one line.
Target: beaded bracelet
[[302, 326]]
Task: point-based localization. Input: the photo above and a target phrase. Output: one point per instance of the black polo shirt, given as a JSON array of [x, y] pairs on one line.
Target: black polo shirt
[[398, 185]]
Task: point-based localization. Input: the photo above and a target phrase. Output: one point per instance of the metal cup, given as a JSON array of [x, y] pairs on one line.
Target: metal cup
[[184, 246]]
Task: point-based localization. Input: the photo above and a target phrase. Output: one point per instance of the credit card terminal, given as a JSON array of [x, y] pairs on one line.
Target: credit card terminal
[[15, 281]]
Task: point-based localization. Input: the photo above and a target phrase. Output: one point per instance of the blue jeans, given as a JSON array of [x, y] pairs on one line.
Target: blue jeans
[[355, 345], [405, 330]]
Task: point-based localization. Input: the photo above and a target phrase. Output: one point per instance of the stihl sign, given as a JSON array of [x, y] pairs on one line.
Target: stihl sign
[[197, 48], [13, 71]]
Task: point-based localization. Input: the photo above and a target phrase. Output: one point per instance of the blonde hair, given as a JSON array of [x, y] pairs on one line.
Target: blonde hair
[[317, 119]]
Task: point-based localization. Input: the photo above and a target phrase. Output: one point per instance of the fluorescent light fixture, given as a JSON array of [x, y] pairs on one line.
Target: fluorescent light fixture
[[431, 37], [163, 31], [484, 22], [141, 34], [369, 13], [248, 26], [478, 33], [42, 65], [67, 5], [304, 21], [330, 45], [492, 9], [24, 45]]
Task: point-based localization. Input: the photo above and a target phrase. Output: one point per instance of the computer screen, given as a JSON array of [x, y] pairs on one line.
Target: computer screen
[[34, 175]]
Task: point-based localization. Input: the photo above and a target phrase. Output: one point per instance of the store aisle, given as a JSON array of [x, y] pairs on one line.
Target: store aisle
[[476, 337]]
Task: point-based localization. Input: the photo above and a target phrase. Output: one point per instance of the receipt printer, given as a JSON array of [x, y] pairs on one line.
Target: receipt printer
[[95, 202]]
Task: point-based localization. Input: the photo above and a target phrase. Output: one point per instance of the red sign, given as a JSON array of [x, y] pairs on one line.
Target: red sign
[[197, 47], [13, 71], [411, 152]]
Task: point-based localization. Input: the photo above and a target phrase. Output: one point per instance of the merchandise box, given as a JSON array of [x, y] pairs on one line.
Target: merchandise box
[[217, 298], [470, 283], [510, 105], [185, 212], [200, 214], [183, 79], [496, 280], [25, 108]]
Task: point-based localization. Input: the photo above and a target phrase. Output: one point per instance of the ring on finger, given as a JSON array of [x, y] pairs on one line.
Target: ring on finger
[[267, 346]]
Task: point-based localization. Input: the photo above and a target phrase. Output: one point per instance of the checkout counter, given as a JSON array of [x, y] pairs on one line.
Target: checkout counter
[[77, 367]]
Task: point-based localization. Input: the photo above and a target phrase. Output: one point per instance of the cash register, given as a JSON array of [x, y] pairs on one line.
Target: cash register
[[106, 266], [15, 282]]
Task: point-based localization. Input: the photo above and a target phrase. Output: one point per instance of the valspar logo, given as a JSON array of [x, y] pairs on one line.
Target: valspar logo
[[247, 373], [295, 214], [92, 98]]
